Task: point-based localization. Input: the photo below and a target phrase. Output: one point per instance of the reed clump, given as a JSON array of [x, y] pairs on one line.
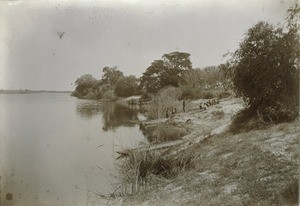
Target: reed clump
[[140, 167], [165, 100]]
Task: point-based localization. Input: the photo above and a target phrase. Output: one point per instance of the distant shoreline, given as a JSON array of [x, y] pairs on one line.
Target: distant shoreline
[[26, 91]]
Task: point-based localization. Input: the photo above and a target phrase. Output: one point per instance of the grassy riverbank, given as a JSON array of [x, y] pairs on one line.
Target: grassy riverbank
[[211, 166]]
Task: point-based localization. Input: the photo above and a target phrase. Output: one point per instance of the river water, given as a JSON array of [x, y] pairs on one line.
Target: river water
[[55, 147]]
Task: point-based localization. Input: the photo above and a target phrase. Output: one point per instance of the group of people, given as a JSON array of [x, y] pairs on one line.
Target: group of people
[[202, 106], [205, 105]]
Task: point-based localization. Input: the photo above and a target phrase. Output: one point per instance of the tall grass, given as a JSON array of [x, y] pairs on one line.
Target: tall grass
[[142, 166], [138, 167], [167, 98], [170, 132]]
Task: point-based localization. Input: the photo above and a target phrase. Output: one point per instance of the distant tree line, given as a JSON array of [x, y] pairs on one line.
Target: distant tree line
[[174, 69], [112, 84], [264, 70]]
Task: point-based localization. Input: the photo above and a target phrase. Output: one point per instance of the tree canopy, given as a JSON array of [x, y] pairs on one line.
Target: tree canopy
[[90, 88], [127, 86], [166, 72]]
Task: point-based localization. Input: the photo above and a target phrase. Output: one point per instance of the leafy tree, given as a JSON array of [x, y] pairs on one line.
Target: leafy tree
[[265, 70], [111, 75], [84, 85], [166, 72], [86, 80], [127, 86], [151, 79], [176, 63]]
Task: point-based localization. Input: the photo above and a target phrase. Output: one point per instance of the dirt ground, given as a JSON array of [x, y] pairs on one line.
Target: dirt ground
[[259, 167]]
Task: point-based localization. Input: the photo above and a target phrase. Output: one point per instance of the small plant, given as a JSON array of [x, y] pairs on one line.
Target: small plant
[[218, 114]]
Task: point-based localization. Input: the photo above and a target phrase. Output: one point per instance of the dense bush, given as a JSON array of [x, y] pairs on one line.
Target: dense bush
[[126, 86], [84, 85], [112, 84], [266, 74], [191, 93]]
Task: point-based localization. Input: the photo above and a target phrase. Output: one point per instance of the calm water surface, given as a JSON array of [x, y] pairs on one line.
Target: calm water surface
[[55, 147]]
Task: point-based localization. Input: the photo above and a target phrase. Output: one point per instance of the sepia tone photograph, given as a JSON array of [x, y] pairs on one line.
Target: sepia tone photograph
[[149, 102]]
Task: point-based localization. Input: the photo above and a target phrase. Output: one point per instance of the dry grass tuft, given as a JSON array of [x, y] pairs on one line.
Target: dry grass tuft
[[218, 114]]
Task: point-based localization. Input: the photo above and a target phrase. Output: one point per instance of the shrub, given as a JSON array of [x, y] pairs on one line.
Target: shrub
[[126, 86], [265, 71], [166, 98]]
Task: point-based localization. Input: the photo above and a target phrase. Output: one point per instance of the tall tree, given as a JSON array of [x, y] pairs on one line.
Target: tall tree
[[166, 72], [83, 85], [151, 79]]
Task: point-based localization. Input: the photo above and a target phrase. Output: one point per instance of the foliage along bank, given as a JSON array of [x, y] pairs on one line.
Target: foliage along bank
[[264, 70], [173, 70]]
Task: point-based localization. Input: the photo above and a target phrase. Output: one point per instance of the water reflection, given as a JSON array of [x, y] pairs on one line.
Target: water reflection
[[53, 149], [113, 114], [88, 109]]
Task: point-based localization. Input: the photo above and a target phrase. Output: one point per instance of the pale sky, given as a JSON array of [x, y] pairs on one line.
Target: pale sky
[[129, 34]]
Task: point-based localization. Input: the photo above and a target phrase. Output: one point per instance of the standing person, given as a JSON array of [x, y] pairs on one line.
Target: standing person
[[183, 105]]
